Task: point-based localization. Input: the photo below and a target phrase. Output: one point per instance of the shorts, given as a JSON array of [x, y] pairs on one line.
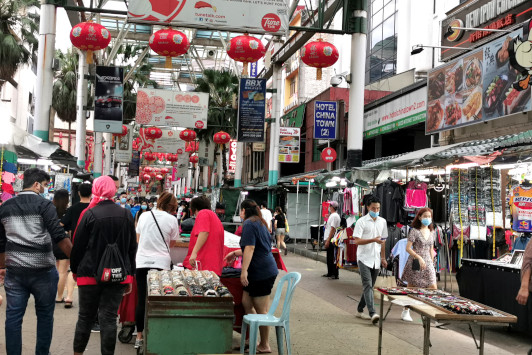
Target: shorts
[[280, 231], [260, 288]]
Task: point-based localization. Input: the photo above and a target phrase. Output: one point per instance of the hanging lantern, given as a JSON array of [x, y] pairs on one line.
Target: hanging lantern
[[319, 54], [245, 49], [164, 171], [153, 133], [221, 137], [187, 135], [156, 170], [150, 156], [124, 132], [158, 177], [153, 174], [90, 36], [169, 43], [192, 147], [161, 156], [172, 158], [194, 159], [148, 169], [146, 177]]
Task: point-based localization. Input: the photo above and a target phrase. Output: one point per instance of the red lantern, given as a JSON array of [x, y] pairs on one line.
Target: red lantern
[[194, 159], [169, 43], [90, 36], [124, 132], [246, 49], [158, 177], [161, 156], [146, 177], [150, 156], [154, 174], [192, 147], [153, 133], [164, 171], [221, 137], [172, 158], [148, 169], [319, 54], [187, 135]]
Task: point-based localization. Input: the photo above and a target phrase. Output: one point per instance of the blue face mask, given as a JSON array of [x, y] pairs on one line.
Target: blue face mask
[[426, 221], [373, 214], [144, 207], [123, 200]]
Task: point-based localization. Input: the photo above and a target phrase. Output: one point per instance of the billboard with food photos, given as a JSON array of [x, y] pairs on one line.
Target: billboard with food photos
[[289, 139], [482, 85]]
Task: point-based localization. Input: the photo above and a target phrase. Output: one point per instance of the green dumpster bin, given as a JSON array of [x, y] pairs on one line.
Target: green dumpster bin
[[188, 325]]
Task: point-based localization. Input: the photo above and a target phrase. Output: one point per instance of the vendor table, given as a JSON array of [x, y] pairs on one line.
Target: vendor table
[[429, 312], [495, 284]]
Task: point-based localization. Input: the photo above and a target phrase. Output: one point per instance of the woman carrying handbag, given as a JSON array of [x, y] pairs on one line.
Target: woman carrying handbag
[[157, 232]]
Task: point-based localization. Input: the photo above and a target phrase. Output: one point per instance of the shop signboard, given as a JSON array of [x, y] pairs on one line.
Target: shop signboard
[[289, 139], [481, 85], [124, 147], [182, 166], [108, 99], [232, 156], [251, 110], [259, 147], [328, 155], [168, 143], [264, 16], [134, 165], [404, 111], [325, 119], [489, 14], [157, 107], [206, 153]]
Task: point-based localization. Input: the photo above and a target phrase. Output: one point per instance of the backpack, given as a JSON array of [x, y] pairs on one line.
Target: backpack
[[112, 268]]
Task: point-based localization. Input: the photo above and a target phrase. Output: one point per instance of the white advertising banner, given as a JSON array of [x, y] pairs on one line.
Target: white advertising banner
[[168, 143], [182, 166], [264, 16], [124, 148], [172, 108]]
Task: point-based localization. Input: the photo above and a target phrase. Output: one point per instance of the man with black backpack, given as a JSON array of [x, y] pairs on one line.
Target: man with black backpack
[[103, 259]]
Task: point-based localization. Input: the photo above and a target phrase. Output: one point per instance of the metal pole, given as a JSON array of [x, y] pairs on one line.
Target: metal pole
[[45, 74], [308, 215], [319, 223], [98, 140], [81, 102], [355, 127], [297, 208], [277, 102], [239, 164], [107, 167]]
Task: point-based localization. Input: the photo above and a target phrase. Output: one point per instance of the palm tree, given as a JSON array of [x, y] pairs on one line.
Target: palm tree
[[222, 86], [65, 88], [18, 37]]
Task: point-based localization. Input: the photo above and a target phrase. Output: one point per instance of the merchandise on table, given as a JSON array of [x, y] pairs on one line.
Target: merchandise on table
[[185, 284]]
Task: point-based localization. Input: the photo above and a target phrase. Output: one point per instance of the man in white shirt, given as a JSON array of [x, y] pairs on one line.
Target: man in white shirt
[[370, 233], [330, 229], [266, 215]]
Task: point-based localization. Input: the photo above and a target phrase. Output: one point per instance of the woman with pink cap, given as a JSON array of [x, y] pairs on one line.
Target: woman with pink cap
[[102, 224]]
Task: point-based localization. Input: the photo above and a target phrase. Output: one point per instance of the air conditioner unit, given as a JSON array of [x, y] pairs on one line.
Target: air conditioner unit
[[211, 53]]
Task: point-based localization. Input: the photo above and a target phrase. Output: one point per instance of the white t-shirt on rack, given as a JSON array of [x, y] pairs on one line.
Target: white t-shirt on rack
[[152, 252]]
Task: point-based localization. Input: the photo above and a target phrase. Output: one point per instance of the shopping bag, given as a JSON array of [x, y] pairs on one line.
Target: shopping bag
[[385, 280]]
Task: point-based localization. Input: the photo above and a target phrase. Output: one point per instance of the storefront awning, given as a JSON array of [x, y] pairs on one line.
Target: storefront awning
[[416, 157]]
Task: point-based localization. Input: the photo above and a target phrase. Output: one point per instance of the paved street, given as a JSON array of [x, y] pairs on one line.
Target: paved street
[[322, 322]]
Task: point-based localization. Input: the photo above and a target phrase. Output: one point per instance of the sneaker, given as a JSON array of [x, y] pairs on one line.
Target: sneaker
[[375, 318], [333, 278], [138, 343], [406, 316], [362, 315], [95, 328]]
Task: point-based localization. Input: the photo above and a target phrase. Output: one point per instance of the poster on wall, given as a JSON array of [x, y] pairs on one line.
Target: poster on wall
[[289, 139], [480, 86], [172, 108], [265, 16], [251, 110], [169, 142], [124, 150], [134, 165], [108, 96], [182, 166]]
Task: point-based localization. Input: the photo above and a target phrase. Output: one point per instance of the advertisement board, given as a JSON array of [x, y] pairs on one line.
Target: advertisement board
[[491, 14], [289, 139], [232, 156], [134, 165], [404, 111], [168, 143], [108, 96], [251, 110], [124, 148], [480, 86], [252, 16], [157, 107], [325, 119]]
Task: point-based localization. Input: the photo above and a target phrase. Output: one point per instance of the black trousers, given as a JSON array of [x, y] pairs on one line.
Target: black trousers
[[142, 292], [104, 302], [332, 268]]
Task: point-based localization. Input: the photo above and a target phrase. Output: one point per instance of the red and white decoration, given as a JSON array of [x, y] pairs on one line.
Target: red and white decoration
[[90, 36], [169, 43], [245, 49], [319, 54]]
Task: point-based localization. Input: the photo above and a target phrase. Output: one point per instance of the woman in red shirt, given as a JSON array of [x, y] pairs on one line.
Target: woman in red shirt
[[205, 250]]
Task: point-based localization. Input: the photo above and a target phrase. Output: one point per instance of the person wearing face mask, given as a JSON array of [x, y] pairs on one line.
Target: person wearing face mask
[[419, 269], [123, 202], [370, 234], [143, 208], [330, 229]]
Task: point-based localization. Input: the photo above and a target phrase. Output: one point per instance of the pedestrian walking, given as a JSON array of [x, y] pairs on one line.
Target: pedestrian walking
[[333, 222], [69, 222], [266, 215], [259, 269], [157, 232], [370, 233], [60, 201], [205, 249], [526, 273], [143, 208], [28, 228], [280, 227], [102, 228]]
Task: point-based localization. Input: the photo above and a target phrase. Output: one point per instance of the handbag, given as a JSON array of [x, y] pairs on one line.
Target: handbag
[[384, 280], [164, 241], [416, 266]]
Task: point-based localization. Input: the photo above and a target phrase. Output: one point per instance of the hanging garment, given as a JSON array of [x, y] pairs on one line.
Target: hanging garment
[[348, 202], [437, 204], [394, 235], [521, 208], [416, 195], [400, 250], [392, 198]]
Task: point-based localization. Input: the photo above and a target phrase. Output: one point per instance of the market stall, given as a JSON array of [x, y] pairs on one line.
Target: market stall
[[436, 305]]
